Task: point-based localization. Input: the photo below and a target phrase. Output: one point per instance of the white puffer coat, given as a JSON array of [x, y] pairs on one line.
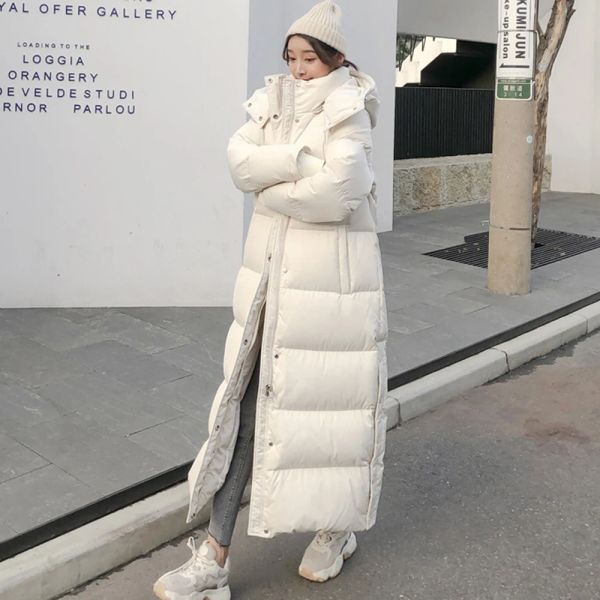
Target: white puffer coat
[[312, 262]]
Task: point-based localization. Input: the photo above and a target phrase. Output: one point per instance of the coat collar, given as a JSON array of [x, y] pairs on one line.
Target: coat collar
[[311, 95], [340, 94]]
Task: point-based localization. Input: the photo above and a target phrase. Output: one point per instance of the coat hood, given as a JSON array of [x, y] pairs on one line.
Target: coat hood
[[370, 93], [340, 94]]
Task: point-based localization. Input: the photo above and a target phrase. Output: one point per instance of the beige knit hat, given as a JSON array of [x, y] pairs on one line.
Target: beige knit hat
[[324, 22]]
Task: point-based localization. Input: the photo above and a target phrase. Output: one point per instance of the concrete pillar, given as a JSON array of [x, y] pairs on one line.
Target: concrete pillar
[[509, 267]]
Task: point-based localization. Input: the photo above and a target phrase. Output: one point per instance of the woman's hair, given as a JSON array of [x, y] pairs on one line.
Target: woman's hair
[[326, 53]]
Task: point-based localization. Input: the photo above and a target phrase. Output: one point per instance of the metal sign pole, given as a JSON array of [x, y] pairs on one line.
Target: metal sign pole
[[509, 264]]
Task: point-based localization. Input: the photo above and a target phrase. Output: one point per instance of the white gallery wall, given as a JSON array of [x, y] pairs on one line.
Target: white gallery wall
[[115, 186], [106, 209]]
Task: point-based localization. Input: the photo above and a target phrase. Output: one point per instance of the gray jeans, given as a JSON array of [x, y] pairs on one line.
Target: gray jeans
[[226, 502]]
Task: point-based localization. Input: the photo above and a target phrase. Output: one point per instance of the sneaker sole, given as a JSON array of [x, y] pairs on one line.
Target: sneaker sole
[[334, 570], [223, 593]]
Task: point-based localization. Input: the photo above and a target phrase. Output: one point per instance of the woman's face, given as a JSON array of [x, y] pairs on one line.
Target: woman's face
[[303, 61]]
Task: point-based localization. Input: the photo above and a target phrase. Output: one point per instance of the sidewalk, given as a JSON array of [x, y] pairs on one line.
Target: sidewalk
[[493, 496], [81, 389]]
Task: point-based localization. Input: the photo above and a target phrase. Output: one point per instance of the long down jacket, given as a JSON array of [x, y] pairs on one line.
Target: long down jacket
[[309, 296]]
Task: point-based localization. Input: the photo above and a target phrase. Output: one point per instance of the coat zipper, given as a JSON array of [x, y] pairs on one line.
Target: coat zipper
[[233, 380], [265, 390]]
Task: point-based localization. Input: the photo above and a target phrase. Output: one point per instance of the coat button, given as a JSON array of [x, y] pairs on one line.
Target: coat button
[[245, 342], [277, 356], [260, 118], [297, 120], [276, 116], [249, 103]]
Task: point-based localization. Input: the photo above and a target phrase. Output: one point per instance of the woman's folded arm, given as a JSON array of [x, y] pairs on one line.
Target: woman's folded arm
[[255, 166], [341, 184]]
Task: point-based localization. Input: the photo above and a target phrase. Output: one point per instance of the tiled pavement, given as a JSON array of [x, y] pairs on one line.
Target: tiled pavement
[[94, 400]]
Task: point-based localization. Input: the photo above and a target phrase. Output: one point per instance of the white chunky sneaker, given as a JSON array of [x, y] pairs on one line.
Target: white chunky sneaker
[[325, 556], [200, 578]]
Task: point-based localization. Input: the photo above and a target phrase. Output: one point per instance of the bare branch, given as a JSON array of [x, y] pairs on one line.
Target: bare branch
[[555, 36], [549, 44], [541, 33]]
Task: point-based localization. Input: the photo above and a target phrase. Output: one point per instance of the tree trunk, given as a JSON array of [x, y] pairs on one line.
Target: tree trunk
[[549, 44]]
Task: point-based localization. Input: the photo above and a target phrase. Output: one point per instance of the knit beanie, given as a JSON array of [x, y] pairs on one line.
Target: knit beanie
[[324, 22]]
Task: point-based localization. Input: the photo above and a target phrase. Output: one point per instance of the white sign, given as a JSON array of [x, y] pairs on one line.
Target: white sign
[[516, 55], [516, 15]]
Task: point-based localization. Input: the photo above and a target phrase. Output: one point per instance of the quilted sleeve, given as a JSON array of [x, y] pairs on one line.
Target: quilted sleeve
[[342, 183], [255, 166]]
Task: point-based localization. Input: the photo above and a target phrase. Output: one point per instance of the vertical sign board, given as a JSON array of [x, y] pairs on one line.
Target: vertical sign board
[[108, 139], [515, 62]]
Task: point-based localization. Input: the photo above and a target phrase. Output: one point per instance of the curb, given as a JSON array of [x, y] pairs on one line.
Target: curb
[[57, 566], [429, 392]]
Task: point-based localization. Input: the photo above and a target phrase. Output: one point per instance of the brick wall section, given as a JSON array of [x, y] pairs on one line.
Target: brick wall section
[[422, 184]]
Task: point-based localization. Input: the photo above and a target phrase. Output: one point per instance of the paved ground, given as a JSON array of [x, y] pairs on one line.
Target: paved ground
[[493, 496], [81, 388]]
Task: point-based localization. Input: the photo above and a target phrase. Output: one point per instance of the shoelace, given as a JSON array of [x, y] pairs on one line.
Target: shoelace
[[197, 557], [323, 538], [191, 544]]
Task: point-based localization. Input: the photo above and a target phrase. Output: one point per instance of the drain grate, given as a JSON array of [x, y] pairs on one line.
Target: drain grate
[[550, 246]]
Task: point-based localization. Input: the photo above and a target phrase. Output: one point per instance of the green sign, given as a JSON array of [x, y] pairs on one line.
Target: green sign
[[514, 89]]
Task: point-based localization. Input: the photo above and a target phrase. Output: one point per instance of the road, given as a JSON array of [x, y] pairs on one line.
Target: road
[[495, 496]]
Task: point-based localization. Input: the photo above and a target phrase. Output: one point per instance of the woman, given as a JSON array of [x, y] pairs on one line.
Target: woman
[[305, 376]]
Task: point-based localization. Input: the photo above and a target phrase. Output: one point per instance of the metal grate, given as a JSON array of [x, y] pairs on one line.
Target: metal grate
[[550, 247]]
